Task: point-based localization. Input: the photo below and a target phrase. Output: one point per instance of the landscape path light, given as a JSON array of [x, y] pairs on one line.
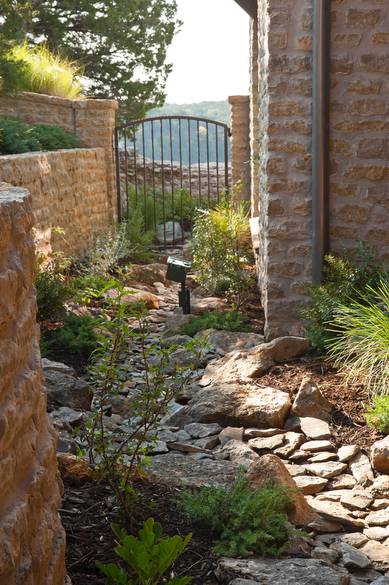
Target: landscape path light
[[177, 270]]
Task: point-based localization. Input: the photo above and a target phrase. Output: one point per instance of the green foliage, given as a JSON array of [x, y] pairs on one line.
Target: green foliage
[[76, 337], [361, 343], [51, 285], [91, 286], [122, 44], [119, 457], [148, 557], [377, 415], [221, 250], [241, 521], [345, 280], [42, 72], [17, 137], [228, 321]]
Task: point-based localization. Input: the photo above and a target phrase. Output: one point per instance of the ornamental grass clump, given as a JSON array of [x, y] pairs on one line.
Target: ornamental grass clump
[[360, 346], [43, 71]]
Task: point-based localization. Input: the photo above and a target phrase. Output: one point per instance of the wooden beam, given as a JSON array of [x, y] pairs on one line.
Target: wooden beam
[[249, 6]]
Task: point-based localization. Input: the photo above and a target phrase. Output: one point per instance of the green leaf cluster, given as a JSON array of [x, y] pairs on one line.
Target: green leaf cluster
[[377, 415], [227, 321], [148, 557], [345, 280], [220, 247], [17, 137], [242, 521]]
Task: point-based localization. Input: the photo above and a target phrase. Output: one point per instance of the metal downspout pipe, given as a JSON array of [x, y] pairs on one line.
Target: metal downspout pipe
[[320, 135]]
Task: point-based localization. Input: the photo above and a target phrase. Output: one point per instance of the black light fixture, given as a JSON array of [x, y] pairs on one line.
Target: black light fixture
[[176, 271]]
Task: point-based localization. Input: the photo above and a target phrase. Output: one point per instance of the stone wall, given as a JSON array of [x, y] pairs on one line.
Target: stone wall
[[69, 190], [359, 125], [93, 121], [201, 181], [32, 540], [284, 163]]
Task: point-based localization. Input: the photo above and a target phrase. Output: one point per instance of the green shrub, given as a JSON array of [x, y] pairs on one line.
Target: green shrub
[[228, 321], [76, 337], [377, 415], [241, 521], [18, 137], [52, 293], [149, 557], [361, 343], [345, 280], [42, 72], [220, 246]]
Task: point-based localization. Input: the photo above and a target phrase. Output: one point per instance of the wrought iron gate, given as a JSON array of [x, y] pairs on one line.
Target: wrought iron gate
[[168, 165]]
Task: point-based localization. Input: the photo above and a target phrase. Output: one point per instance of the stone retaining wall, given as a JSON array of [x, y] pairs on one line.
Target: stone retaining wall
[[32, 540], [69, 190]]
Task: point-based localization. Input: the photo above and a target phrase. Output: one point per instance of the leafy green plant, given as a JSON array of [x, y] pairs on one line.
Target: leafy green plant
[[241, 520], [228, 321], [17, 137], [361, 343], [345, 280], [377, 415], [51, 284], [118, 458], [91, 286], [148, 557], [221, 251], [45, 72], [76, 337]]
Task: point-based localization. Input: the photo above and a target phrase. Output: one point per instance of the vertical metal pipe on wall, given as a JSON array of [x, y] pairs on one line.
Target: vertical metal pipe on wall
[[320, 135]]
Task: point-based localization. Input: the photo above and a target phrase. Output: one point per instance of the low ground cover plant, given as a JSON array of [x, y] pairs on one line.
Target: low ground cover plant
[[221, 250], [76, 339], [345, 280], [39, 70], [360, 346], [241, 521], [147, 557], [17, 136], [377, 414], [227, 321]]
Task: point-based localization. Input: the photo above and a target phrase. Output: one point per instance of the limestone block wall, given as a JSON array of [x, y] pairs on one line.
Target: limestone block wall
[[32, 540], [240, 148], [69, 190], [359, 125], [92, 120], [284, 162]]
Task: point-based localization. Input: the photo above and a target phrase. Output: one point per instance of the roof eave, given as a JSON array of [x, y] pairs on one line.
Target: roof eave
[[249, 6]]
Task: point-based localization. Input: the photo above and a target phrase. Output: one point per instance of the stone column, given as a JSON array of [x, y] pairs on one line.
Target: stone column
[[240, 130], [285, 99], [254, 117], [32, 540]]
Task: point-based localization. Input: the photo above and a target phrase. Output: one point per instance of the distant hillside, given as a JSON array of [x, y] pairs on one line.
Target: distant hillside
[[218, 111]]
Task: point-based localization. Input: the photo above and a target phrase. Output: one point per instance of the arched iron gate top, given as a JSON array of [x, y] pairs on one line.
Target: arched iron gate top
[[130, 123], [164, 164]]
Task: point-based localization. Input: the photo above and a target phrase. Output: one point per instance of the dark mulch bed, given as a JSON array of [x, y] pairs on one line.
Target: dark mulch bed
[[347, 423], [88, 511]]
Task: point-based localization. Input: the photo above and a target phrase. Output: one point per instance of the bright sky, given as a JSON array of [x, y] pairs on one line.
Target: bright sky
[[210, 54]]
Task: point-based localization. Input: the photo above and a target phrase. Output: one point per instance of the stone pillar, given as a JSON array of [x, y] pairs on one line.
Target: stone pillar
[[92, 120], [285, 99], [240, 130], [32, 540], [254, 117]]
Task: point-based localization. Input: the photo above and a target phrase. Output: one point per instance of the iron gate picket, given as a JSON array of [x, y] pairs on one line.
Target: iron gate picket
[[164, 163]]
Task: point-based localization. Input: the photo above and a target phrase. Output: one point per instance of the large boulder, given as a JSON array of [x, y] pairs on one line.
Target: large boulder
[[380, 455], [270, 469], [253, 363], [226, 341], [148, 273], [311, 402], [134, 296], [282, 572], [239, 405], [64, 389]]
